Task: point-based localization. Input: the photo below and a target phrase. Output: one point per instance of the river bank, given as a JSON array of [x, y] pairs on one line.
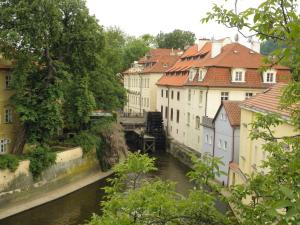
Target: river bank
[[50, 195], [78, 207]]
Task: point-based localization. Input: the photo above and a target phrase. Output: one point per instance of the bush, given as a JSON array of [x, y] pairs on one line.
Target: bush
[[10, 162], [41, 158], [86, 141]]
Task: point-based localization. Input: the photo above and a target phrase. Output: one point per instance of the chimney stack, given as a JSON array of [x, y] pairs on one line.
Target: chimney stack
[[255, 46], [201, 43]]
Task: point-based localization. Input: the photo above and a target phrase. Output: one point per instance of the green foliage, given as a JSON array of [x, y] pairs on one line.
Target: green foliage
[[62, 69], [176, 39], [41, 158], [275, 195], [134, 199], [86, 141], [10, 162]]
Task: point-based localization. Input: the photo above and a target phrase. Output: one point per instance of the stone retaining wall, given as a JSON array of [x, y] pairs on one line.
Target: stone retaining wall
[[181, 152], [70, 165]]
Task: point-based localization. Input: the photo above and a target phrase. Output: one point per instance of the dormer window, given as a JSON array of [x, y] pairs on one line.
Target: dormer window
[[192, 74], [238, 75], [202, 73], [269, 76]]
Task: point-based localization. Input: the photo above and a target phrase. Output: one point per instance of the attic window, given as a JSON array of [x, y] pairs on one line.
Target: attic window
[[165, 65], [269, 76], [192, 74], [238, 75], [202, 73]]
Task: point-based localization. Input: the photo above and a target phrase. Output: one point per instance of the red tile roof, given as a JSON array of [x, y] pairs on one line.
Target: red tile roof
[[219, 68], [176, 80], [268, 101], [233, 112], [163, 59]]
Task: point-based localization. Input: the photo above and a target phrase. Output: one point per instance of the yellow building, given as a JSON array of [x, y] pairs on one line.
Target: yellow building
[[251, 152], [9, 125]]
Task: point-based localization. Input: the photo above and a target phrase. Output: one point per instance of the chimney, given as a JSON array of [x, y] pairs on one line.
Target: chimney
[[201, 43], [255, 46], [216, 48]]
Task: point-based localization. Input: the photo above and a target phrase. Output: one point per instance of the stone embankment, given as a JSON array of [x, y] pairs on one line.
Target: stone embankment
[[72, 171]]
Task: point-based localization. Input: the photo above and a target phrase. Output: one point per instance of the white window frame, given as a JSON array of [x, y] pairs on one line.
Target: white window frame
[[238, 75], [8, 115], [197, 122], [192, 74], [201, 74], [224, 94], [268, 73], [4, 145], [248, 95], [206, 138]]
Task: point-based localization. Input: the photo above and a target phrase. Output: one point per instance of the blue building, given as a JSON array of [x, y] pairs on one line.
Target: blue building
[[227, 136]]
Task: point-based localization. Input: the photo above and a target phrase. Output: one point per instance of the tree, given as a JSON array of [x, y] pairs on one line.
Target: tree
[[176, 39], [268, 46], [134, 199], [60, 67], [275, 197]]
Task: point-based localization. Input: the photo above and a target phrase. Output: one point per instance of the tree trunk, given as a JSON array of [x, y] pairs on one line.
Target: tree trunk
[[20, 142]]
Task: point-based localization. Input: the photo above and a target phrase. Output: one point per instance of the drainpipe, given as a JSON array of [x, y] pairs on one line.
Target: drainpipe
[[206, 101], [232, 154]]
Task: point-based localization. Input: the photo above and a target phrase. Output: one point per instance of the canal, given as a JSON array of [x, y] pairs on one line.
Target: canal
[[77, 207]]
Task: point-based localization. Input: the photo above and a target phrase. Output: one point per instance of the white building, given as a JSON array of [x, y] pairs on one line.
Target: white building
[[207, 73], [140, 80]]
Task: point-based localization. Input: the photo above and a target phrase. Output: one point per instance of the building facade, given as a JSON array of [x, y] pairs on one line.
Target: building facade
[[140, 80], [251, 151], [227, 136], [206, 74], [9, 125]]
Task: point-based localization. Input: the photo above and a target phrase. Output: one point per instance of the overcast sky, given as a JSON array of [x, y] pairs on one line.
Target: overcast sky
[[137, 17]]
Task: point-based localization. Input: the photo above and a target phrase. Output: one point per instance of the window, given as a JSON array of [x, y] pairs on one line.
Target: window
[[8, 115], [172, 94], [171, 114], [238, 75], [220, 143], [166, 112], [148, 102], [189, 95], [177, 116], [200, 97], [162, 110], [206, 138], [162, 93], [178, 95], [197, 122], [248, 95], [210, 140], [7, 81], [224, 96], [4, 145], [202, 73], [167, 93], [225, 145], [269, 76], [223, 116], [188, 118], [192, 75]]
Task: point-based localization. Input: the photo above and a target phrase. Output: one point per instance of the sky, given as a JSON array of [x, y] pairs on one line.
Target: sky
[[137, 17]]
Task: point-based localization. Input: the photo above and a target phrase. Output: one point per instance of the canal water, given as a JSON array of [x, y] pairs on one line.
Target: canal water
[[77, 207]]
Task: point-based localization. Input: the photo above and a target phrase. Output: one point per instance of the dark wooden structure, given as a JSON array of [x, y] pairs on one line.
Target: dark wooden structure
[[147, 129]]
